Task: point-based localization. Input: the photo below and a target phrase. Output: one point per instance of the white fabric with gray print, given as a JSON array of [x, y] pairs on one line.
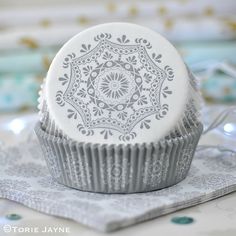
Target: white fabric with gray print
[[24, 178]]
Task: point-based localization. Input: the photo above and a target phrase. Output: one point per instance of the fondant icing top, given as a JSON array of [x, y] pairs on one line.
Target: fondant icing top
[[117, 83]]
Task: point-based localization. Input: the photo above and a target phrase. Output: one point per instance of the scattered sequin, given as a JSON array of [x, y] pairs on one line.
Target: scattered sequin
[[182, 220], [13, 216]]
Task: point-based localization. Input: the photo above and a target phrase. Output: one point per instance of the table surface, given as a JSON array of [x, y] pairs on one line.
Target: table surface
[[214, 218]]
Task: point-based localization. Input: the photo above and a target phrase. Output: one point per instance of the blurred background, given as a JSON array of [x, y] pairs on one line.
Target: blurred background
[[31, 33]]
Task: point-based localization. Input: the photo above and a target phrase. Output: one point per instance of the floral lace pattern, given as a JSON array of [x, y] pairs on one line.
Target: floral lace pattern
[[114, 86]]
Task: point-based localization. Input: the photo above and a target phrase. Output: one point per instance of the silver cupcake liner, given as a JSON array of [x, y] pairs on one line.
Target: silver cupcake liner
[[119, 168]]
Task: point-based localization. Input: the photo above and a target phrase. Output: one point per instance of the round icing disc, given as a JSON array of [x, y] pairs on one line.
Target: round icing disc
[[117, 83]]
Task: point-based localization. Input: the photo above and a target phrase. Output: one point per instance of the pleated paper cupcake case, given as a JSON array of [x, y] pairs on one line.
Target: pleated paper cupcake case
[[118, 168]]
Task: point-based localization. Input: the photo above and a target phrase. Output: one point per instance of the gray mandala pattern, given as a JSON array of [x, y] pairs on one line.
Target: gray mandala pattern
[[34, 151], [184, 161], [45, 194], [225, 163], [212, 181], [83, 205], [114, 86], [9, 158], [174, 190], [133, 204], [27, 170], [185, 196], [48, 182], [17, 185], [97, 196], [193, 171]]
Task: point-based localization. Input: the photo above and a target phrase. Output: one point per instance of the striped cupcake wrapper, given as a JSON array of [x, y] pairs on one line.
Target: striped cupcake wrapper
[[123, 168]]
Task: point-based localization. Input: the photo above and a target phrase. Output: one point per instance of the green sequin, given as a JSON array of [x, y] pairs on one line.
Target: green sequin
[[13, 216], [182, 220]]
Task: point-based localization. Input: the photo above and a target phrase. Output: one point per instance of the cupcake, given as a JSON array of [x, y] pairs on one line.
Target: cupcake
[[119, 112]]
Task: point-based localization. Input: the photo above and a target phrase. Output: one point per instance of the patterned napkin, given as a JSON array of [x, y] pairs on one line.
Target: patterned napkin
[[24, 178]]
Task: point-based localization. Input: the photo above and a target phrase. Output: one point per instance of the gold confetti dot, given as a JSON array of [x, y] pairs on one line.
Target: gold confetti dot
[[231, 24], [208, 99], [168, 24], [83, 20], [111, 7], [133, 11], [227, 91], [45, 23], [162, 11], [46, 62], [39, 79], [29, 42], [209, 11], [24, 108]]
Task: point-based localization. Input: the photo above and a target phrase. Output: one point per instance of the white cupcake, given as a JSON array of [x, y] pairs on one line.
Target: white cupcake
[[118, 109]]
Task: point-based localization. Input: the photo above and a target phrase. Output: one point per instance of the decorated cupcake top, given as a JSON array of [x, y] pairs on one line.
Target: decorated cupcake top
[[116, 83]]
